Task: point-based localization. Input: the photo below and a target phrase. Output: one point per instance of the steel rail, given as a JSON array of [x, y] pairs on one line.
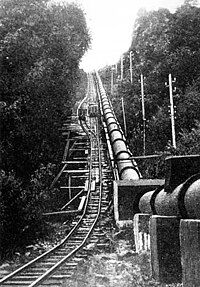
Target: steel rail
[[44, 276], [9, 276], [62, 261], [37, 259]]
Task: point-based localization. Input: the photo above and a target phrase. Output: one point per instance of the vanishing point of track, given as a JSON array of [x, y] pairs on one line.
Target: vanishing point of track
[[56, 266]]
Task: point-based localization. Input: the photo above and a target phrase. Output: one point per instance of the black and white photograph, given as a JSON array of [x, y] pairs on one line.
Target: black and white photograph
[[99, 143]]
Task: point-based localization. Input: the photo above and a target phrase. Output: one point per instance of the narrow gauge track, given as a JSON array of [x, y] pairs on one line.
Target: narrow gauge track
[[56, 266]]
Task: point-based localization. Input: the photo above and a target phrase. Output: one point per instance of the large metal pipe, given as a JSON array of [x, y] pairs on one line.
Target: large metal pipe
[[183, 202], [127, 168], [180, 196], [115, 135]]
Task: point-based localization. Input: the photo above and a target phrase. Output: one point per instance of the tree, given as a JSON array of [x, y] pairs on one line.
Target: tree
[[184, 53], [41, 46], [189, 142], [150, 48], [188, 108], [162, 43]]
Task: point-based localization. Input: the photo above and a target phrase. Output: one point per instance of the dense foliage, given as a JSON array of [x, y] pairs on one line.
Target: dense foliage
[[41, 46], [162, 43]]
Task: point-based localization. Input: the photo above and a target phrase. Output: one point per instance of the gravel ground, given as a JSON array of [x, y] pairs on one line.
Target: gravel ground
[[116, 266]]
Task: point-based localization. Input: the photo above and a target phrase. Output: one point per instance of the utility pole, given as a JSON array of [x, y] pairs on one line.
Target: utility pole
[[131, 67], [143, 114], [124, 117], [112, 79], [172, 110], [116, 70], [122, 67]]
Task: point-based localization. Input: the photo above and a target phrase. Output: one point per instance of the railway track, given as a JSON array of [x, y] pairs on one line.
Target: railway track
[[56, 266]]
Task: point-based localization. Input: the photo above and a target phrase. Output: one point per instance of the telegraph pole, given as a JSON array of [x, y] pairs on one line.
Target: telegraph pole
[[124, 117], [116, 68], [172, 111], [112, 79], [131, 67], [143, 114], [122, 67]]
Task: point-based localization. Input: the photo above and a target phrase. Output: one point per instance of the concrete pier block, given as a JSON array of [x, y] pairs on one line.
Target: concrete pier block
[[126, 197], [165, 249], [141, 232], [190, 252]]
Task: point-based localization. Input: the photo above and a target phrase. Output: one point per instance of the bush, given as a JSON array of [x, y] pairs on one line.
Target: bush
[[189, 142], [41, 47], [22, 208]]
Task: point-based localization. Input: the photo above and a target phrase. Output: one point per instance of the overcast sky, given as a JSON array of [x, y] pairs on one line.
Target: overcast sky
[[111, 25]]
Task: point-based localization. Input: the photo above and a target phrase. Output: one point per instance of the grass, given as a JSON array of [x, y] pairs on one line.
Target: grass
[[118, 267]]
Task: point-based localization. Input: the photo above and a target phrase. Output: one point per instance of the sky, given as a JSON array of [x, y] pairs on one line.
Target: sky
[[111, 25]]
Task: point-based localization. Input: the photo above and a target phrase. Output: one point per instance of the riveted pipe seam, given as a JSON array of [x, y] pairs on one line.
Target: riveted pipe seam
[[153, 198], [181, 196]]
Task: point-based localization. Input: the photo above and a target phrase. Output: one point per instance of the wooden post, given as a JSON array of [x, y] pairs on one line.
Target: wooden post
[[124, 117], [66, 147], [172, 112], [69, 184], [116, 70], [112, 80], [143, 114], [131, 68], [122, 68]]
